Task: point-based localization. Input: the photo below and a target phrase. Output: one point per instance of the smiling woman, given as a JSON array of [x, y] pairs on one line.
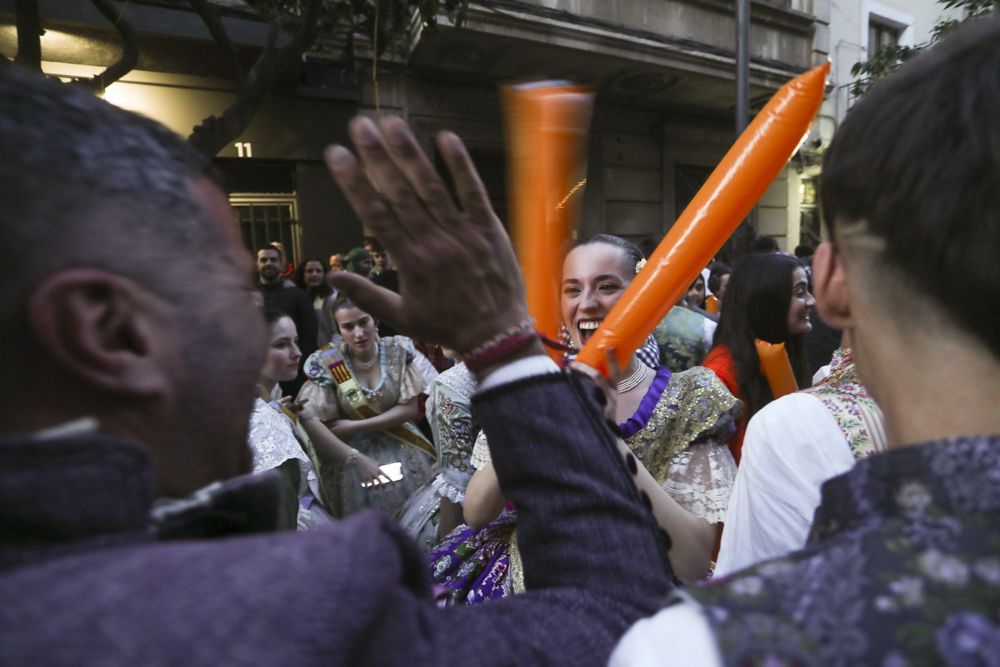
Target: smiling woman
[[675, 426], [768, 298]]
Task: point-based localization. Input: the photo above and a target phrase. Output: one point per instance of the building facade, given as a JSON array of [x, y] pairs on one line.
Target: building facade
[[663, 72]]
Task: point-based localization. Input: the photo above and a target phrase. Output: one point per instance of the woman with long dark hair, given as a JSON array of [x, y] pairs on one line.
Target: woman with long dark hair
[[767, 298], [311, 277]]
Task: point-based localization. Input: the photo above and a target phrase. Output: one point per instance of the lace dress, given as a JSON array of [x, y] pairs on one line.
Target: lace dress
[[449, 412], [399, 383], [679, 433], [275, 439]]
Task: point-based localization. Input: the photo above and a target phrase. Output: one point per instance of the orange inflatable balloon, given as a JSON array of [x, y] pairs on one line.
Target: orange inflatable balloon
[[712, 305], [776, 367], [547, 127], [731, 191]]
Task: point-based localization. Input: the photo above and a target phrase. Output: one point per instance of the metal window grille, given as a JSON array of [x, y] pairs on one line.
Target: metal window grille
[[265, 218]]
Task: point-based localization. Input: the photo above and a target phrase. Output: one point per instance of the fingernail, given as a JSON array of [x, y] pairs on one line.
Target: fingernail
[[396, 131], [452, 141], [338, 156], [365, 133]]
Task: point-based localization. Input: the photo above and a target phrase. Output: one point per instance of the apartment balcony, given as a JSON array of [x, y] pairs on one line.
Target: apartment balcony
[[676, 54]]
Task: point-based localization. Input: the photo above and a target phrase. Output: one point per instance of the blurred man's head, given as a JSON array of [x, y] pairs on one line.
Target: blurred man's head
[[911, 194], [108, 218]]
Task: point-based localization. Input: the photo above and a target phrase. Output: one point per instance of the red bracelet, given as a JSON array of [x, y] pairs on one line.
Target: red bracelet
[[501, 346]]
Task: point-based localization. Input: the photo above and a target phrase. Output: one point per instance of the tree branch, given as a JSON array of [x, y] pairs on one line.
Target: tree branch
[[29, 33], [130, 49], [214, 132], [230, 55]]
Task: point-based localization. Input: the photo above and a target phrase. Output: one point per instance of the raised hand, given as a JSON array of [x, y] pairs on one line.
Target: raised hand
[[459, 280]]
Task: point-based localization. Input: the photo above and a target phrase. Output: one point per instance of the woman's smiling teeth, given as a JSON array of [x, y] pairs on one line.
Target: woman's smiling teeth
[[587, 328]]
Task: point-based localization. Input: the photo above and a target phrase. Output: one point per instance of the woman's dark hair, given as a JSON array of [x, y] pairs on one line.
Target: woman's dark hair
[[697, 278], [632, 254], [765, 244], [272, 315], [323, 290], [716, 272], [758, 298]]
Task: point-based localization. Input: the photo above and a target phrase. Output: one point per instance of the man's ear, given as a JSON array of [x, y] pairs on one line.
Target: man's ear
[[830, 286], [103, 330]]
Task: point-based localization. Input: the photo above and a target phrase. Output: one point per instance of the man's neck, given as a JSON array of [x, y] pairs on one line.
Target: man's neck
[[930, 386]]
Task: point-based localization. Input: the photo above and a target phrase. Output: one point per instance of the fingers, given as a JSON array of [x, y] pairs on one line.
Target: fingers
[[376, 479], [475, 199], [413, 163], [363, 197], [469, 187], [385, 175], [381, 303]]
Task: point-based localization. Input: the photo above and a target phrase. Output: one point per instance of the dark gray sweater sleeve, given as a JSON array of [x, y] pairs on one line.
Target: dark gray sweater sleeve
[[594, 559], [357, 592]]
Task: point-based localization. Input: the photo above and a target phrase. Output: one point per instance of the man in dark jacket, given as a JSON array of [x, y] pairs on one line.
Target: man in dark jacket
[[124, 383]]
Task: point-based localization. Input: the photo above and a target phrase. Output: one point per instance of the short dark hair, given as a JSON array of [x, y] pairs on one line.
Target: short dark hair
[[268, 248], [272, 315], [632, 253], [917, 163], [764, 244], [715, 274], [758, 298], [804, 250], [85, 183]]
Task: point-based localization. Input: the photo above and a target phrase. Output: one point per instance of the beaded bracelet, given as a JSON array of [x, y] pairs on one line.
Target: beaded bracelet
[[352, 456], [501, 346]]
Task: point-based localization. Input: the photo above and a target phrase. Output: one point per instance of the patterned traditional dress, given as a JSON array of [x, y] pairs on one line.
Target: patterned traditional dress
[[449, 412], [399, 383], [678, 432]]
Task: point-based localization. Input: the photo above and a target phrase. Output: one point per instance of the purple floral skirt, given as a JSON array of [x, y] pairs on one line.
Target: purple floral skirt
[[474, 566]]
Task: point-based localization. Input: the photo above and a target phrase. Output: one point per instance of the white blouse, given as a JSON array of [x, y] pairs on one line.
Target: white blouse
[[792, 446]]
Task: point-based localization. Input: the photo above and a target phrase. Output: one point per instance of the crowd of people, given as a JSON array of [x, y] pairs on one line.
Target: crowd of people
[[376, 460]]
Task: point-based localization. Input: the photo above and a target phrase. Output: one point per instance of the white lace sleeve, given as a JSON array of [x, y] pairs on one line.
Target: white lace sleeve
[[272, 440], [701, 478], [481, 452]]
